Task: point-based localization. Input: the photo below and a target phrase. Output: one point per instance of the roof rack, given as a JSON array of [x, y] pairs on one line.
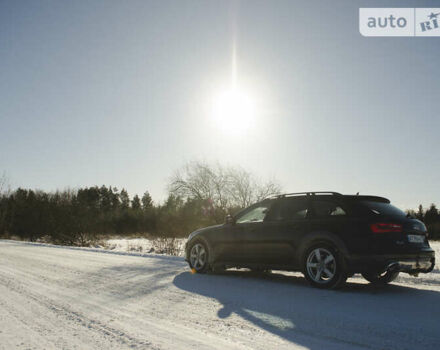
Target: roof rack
[[305, 193]]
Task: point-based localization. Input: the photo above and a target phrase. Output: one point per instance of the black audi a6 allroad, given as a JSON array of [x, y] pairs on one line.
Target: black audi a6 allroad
[[325, 235]]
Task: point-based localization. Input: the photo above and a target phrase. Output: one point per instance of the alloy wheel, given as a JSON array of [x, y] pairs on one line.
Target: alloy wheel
[[321, 265], [198, 256]]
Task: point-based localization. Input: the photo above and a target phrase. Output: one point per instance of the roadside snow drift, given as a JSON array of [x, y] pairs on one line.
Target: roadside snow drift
[[57, 297]]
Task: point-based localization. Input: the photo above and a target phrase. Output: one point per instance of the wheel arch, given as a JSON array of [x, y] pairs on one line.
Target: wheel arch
[[321, 237]]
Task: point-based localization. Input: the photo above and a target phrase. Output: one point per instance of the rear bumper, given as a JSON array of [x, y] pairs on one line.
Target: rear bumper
[[412, 266], [422, 262]]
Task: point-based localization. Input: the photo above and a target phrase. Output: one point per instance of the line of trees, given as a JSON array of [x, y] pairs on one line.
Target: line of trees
[[431, 218], [199, 195]]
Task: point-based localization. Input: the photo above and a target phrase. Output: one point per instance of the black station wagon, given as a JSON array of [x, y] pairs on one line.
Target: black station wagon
[[325, 235]]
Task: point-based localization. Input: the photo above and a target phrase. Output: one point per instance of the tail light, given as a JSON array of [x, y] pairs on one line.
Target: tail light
[[384, 227]]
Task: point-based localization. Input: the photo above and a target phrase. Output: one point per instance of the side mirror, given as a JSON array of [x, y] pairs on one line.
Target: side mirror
[[229, 219]]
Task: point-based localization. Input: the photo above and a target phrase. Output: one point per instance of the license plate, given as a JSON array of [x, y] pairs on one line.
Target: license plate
[[416, 239]]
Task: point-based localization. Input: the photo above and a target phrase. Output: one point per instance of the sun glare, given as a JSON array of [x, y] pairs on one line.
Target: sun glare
[[233, 111]]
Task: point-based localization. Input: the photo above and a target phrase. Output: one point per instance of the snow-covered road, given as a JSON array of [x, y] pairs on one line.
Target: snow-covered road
[[61, 298]]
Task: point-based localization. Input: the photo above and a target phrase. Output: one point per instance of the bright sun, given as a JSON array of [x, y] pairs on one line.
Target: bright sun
[[233, 111]]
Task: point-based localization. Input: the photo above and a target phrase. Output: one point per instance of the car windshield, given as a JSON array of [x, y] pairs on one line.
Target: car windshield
[[381, 208]]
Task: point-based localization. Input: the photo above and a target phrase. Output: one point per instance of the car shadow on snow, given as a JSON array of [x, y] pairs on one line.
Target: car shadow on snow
[[286, 306]]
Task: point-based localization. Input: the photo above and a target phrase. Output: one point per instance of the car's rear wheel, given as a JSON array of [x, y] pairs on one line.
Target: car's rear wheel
[[198, 257], [323, 267], [380, 278]]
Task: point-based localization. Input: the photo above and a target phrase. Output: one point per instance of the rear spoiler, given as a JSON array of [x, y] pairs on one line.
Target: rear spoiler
[[368, 198]]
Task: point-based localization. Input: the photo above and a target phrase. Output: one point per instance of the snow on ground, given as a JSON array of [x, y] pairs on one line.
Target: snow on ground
[[55, 297], [129, 245], [144, 245]]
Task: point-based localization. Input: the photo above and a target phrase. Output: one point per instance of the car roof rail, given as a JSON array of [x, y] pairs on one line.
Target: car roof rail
[[306, 194]]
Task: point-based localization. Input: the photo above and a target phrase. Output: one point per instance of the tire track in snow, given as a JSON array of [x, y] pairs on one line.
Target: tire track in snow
[[75, 317]]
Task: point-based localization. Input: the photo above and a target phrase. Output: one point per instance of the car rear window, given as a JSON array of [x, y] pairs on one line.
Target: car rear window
[[381, 208], [325, 208]]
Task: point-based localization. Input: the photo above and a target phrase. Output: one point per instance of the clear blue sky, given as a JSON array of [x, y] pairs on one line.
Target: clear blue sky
[[117, 93]]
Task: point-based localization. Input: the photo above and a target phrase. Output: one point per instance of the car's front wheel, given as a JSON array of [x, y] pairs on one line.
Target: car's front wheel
[[198, 257], [380, 278], [323, 267]]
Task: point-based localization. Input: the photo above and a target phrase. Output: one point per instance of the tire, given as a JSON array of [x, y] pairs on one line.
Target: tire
[[199, 256], [324, 267], [380, 278]]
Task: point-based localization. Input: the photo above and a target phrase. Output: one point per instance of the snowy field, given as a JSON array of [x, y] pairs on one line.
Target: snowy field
[[86, 298], [144, 245]]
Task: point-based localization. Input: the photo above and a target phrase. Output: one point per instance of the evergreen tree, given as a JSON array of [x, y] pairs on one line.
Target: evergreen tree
[[420, 214], [136, 203], [125, 199], [147, 202], [431, 215]]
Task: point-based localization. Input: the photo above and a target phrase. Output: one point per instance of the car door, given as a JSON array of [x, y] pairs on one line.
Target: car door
[[231, 244], [274, 241]]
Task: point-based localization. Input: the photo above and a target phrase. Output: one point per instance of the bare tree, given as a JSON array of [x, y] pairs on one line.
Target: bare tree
[[224, 187]]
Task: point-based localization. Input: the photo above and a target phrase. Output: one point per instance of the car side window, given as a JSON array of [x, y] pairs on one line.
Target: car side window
[[327, 208], [254, 215], [289, 209]]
